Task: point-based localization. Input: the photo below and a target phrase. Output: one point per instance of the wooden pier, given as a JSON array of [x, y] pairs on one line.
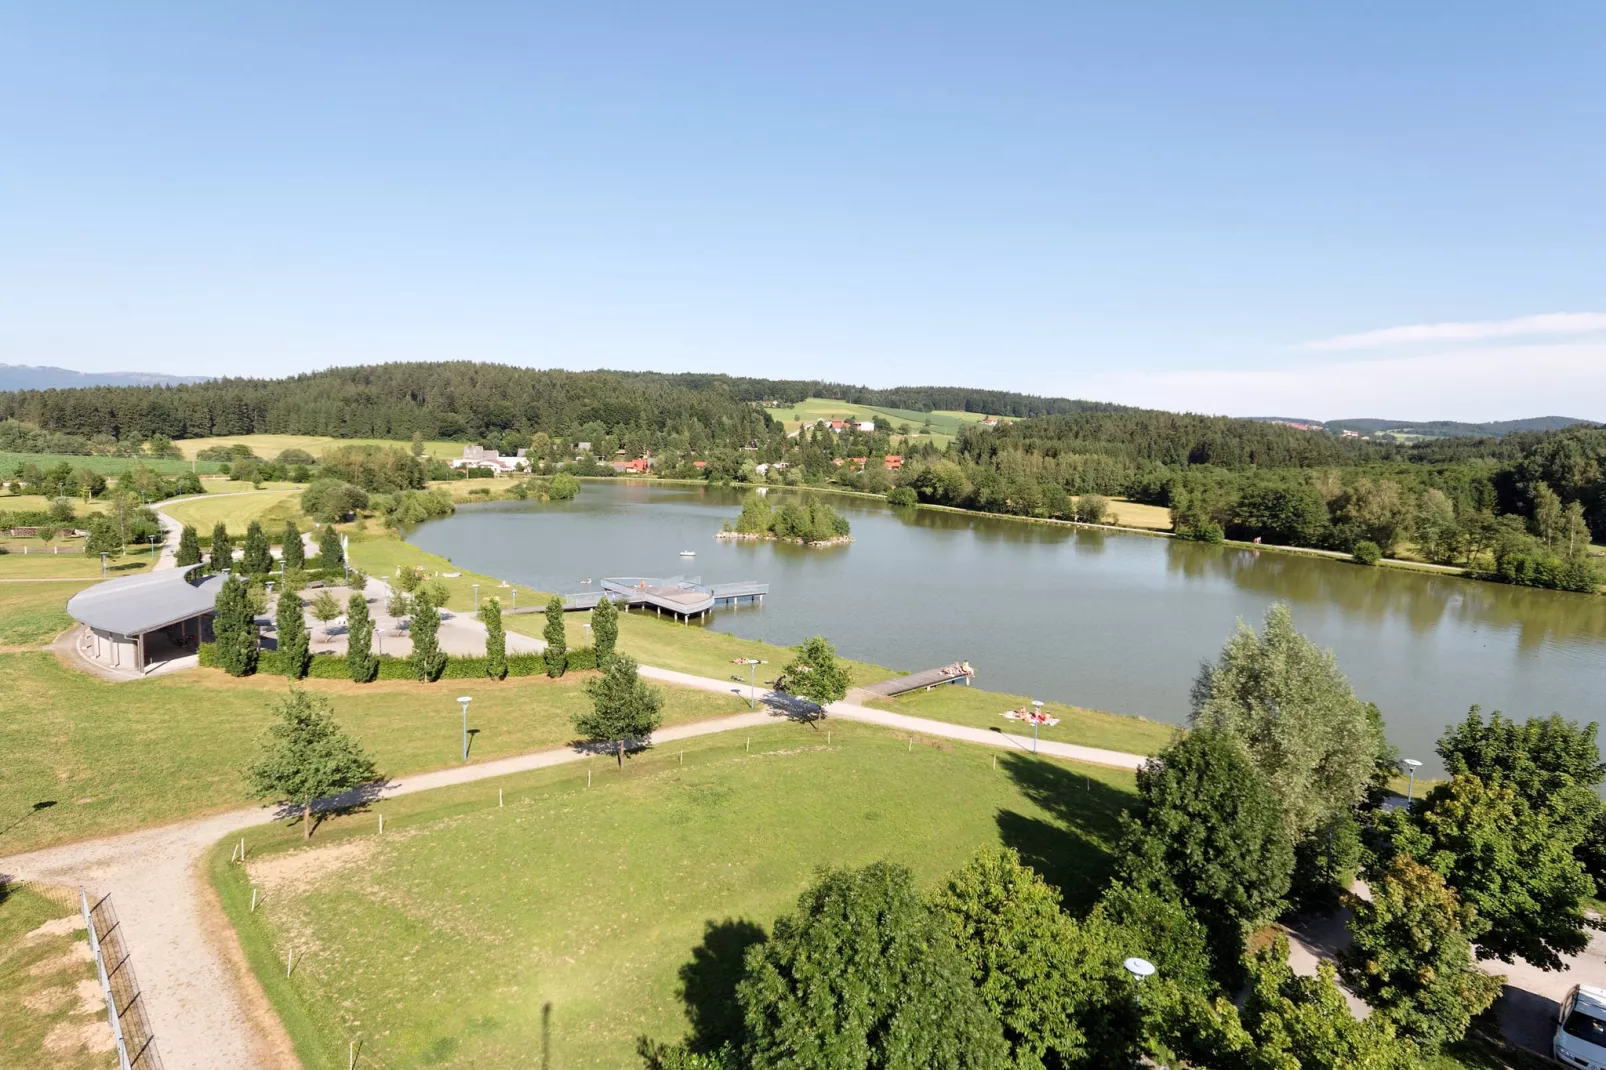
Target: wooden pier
[[677, 596], [959, 672]]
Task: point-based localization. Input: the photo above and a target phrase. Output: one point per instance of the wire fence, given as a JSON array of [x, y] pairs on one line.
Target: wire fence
[[125, 1005]]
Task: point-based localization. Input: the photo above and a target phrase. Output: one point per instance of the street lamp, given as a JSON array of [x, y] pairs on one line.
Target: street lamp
[[465, 700], [1411, 766], [1035, 717], [476, 598], [752, 679], [103, 563], [1141, 970]]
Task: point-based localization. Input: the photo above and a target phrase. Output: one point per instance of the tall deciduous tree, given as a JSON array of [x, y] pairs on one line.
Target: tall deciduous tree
[[330, 553], [1209, 831], [557, 642], [360, 660], [815, 674], [424, 629], [862, 974], [1289, 704], [234, 628], [1411, 959], [495, 638], [103, 537], [257, 560], [325, 608], [294, 643], [623, 707], [293, 553], [1547, 514], [604, 630], [307, 756], [222, 553], [189, 548]]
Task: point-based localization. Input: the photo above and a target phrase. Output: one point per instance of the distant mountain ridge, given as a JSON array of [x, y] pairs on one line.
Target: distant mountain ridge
[[1435, 428], [32, 377]]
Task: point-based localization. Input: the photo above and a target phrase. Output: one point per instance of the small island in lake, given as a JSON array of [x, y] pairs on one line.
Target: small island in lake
[[808, 521]]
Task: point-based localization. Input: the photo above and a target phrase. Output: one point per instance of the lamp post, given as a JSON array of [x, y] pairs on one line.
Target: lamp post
[[476, 598], [465, 700], [1411, 766], [515, 598], [103, 563], [1037, 719], [1141, 970], [752, 679]]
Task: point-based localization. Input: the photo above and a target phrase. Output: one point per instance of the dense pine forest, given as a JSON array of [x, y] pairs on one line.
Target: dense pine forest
[[1523, 507]]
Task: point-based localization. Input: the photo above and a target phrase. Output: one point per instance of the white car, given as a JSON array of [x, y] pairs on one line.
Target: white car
[[1581, 1029]]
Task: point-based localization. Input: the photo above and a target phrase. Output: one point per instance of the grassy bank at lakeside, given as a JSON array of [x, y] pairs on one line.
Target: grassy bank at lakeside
[[979, 708], [109, 757], [573, 912]]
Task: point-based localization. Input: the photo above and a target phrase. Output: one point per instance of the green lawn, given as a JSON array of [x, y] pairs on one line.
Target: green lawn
[[268, 447], [984, 709], [551, 932], [688, 648], [237, 508], [32, 614], [110, 757], [76, 565], [105, 465], [51, 1009]]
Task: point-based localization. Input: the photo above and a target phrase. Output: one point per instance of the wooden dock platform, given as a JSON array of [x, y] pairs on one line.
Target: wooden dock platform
[[956, 673], [676, 595]]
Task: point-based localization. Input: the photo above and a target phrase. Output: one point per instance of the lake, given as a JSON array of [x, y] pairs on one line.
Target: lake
[[1112, 621]]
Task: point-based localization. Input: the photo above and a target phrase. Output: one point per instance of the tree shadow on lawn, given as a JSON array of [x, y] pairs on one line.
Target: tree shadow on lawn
[[1074, 851], [708, 982], [355, 801]]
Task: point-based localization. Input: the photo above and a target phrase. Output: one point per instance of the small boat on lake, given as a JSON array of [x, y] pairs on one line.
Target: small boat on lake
[[688, 553]]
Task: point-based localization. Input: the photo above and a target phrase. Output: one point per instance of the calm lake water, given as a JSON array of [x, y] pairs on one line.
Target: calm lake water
[[1116, 622]]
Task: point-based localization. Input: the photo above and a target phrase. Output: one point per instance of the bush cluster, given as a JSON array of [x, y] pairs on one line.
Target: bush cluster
[[334, 667]]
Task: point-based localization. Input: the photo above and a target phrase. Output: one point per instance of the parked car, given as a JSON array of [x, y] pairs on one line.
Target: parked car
[[1581, 1029]]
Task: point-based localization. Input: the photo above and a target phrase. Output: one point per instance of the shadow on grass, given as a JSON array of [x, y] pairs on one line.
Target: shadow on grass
[[708, 982], [1073, 848], [26, 814], [355, 801]]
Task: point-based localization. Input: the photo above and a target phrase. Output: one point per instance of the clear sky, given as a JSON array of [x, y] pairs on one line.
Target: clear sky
[[1230, 208]]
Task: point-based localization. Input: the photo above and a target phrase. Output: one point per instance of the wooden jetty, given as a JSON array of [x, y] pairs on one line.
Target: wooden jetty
[[678, 596], [959, 672]]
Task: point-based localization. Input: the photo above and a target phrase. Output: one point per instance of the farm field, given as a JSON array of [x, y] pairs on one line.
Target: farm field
[[1136, 515], [270, 446], [474, 935], [38, 503], [52, 1012], [237, 509], [116, 756], [105, 465], [944, 424]]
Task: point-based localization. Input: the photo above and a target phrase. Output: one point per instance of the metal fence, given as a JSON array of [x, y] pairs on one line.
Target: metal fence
[[125, 1007]]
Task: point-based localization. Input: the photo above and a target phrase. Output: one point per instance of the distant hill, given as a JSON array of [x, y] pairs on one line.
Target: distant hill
[[29, 377], [1434, 428]]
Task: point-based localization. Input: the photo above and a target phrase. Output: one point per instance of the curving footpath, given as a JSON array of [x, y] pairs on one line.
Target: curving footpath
[[205, 1011]]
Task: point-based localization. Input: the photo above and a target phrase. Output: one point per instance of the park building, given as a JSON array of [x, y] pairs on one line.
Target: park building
[[135, 624]]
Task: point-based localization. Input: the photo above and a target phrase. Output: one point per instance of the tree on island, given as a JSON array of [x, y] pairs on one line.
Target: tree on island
[[292, 552], [495, 638], [557, 642], [360, 660], [189, 547], [257, 560], [623, 707], [234, 628], [330, 554], [604, 630], [294, 642], [222, 554], [424, 629], [307, 756], [815, 674]]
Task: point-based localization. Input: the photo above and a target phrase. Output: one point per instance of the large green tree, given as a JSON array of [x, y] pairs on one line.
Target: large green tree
[[222, 552], [189, 548], [360, 660], [815, 674], [103, 537], [604, 630], [306, 756], [495, 638], [863, 974], [257, 559], [1209, 831], [1289, 704], [623, 707], [1551, 763], [557, 641], [292, 552], [234, 628], [1410, 958], [293, 641], [423, 628], [331, 556]]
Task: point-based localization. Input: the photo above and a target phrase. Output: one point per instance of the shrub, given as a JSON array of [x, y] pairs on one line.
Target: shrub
[[902, 496], [1368, 552]]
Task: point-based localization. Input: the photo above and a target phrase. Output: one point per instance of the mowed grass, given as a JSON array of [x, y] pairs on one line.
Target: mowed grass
[[668, 644], [32, 614], [974, 706], [38, 503], [51, 1009], [37, 565], [237, 508], [105, 465], [268, 447], [552, 931], [117, 756]]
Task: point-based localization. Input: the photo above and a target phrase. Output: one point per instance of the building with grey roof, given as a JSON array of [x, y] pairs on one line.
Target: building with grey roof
[[133, 621]]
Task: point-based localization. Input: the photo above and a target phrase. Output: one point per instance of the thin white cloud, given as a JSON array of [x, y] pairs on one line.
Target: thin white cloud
[[1550, 323]]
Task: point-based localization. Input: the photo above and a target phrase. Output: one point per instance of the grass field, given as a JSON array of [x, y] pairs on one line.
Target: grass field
[[38, 503], [117, 756], [473, 935], [944, 424], [32, 614], [1136, 515], [75, 565], [958, 704], [104, 465], [51, 1009], [269, 447], [237, 509]]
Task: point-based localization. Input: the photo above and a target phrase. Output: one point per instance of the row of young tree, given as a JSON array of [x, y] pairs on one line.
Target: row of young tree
[[1269, 804]]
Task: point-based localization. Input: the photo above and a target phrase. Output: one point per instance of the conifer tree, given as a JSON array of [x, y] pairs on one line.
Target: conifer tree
[[234, 628], [330, 555], [604, 630], [257, 560], [424, 628], [495, 638], [189, 548], [557, 643], [222, 555], [294, 642], [295, 555], [360, 660]]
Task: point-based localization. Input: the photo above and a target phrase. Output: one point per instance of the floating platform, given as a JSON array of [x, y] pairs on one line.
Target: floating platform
[[959, 672], [684, 598]]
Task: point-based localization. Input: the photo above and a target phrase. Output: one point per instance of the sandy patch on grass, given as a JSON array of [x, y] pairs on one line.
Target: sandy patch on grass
[[48, 1001], [299, 870], [95, 1036], [56, 927], [69, 959]]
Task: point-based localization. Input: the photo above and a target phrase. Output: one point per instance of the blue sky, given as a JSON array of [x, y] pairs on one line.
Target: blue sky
[[1230, 210]]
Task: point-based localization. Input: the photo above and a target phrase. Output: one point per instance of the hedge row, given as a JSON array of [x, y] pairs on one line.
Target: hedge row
[[333, 666]]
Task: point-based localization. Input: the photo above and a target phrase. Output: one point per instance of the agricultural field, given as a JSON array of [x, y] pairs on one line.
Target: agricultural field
[[944, 424], [566, 922], [52, 1012], [110, 757], [109, 466], [236, 509], [270, 446], [1136, 515]]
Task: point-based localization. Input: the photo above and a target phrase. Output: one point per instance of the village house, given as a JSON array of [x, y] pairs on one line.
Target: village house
[[638, 466], [477, 456]]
